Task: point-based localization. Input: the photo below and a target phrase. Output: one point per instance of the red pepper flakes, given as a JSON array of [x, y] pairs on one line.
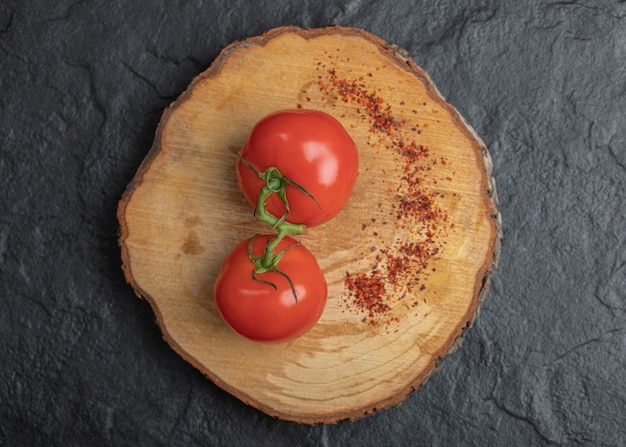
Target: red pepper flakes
[[400, 267], [374, 106], [368, 291]]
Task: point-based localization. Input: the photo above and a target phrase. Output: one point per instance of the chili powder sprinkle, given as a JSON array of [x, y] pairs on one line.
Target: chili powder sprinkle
[[368, 292], [400, 267]]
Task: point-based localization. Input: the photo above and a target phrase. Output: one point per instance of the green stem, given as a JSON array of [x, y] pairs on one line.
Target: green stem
[[273, 221], [284, 228], [275, 183], [262, 265]]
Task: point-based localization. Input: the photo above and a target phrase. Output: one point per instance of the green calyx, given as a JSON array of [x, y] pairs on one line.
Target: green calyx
[[269, 263], [275, 183]]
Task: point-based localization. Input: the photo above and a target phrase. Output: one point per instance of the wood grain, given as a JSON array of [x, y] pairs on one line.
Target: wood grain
[[183, 212]]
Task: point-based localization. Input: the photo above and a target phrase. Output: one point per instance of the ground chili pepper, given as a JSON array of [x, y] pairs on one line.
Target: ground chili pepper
[[368, 293], [400, 267]]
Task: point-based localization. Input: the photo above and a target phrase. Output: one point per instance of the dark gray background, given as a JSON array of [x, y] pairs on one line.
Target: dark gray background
[[82, 87]]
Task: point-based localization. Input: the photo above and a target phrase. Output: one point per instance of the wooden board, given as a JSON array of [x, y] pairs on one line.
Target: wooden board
[[421, 230]]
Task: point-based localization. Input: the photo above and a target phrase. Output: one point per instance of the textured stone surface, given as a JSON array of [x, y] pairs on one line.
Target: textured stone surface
[[83, 86]]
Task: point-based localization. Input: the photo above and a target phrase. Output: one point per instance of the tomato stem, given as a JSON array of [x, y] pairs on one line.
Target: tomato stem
[[277, 223], [275, 183], [264, 264]]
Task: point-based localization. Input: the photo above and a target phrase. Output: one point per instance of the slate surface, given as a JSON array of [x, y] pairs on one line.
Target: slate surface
[[82, 87]]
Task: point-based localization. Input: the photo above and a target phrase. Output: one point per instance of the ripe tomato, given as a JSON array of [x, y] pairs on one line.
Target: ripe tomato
[[258, 311], [310, 148]]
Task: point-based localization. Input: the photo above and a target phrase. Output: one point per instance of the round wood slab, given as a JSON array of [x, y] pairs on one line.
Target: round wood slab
[[407, 261]]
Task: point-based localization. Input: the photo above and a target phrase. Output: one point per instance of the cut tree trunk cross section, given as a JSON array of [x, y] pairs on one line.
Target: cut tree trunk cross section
[[408, 260]]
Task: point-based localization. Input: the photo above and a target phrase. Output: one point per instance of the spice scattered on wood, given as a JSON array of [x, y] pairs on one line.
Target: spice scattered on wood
[[400, 267], [368, 291]]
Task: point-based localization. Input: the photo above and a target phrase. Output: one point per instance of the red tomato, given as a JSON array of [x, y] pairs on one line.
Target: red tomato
[[258, 311], [310, 148]]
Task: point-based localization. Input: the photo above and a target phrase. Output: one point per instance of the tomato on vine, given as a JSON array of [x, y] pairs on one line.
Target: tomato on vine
[[266, 301], [297, 168], [313, 153]]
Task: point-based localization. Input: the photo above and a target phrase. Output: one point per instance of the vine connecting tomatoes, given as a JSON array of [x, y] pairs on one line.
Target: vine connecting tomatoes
[[298, 169], [310, 148]]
